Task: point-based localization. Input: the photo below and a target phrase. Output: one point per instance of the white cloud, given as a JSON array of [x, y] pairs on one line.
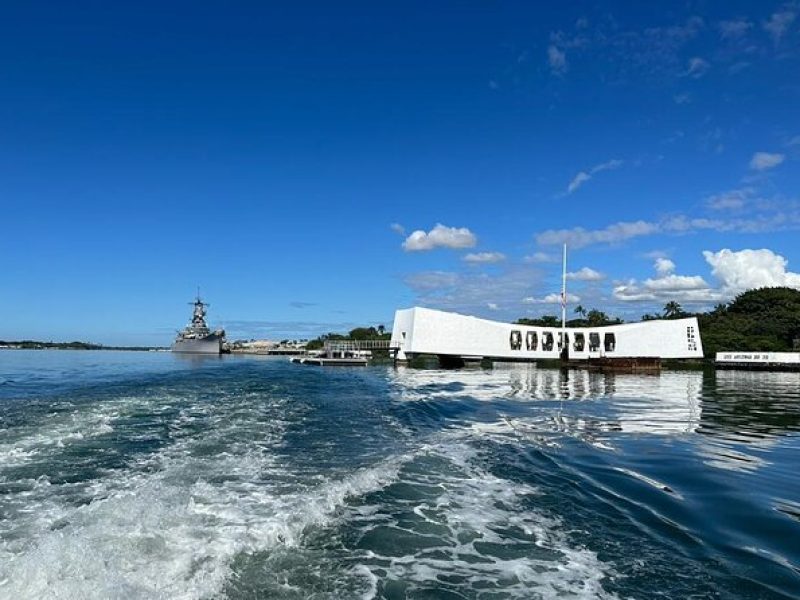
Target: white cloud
[[748, 269], [795, 141], [779, 23], [730, 200], [557, 60], [697, 67], [577, 181], [772, 218], [735, 272], [551, 299], [586, 274], [762, 161], [540, 257], [584, 176], [666, 286], [734, 28], [485, 257], [397, 228], [440, 237], [492, 306], [579, 237], [675, 283], [682, 98], [664, 266]]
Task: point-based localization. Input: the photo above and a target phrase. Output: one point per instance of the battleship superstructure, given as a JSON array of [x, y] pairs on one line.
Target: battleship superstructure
[[196, 337]]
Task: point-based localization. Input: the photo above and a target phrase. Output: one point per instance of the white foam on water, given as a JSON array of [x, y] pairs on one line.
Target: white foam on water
[[55, 433], [171, 528], [474, 533]]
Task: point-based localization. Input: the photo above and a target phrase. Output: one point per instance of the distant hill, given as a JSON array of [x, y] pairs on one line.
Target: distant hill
[[766, 319]]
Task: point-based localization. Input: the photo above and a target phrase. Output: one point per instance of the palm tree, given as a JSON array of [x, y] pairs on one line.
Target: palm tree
[[381, 329], [673, 310], [580, 310]]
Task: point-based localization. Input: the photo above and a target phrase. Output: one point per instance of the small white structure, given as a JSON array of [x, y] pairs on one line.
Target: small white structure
[[427, 331], [758, 360]]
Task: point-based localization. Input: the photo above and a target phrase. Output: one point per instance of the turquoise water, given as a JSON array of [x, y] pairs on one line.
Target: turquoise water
[[143, 475]]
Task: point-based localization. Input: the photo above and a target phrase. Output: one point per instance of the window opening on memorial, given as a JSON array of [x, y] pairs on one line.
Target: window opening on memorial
[[594, 342], [515, 339], [610, 342], [531, 340], [547, 341], [579, 342]]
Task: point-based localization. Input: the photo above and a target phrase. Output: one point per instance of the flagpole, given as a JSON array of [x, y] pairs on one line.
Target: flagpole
[[564, 348]]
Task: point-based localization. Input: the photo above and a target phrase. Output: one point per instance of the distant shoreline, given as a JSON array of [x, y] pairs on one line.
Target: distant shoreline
[[36, 345]]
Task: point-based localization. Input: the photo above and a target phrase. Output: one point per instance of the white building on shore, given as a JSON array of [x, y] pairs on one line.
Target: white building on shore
[[456, 338]]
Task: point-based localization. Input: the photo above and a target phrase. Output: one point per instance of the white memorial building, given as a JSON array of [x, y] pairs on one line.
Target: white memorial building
[[455, 338]]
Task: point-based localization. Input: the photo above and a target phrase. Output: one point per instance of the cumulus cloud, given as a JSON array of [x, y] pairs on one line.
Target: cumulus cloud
[[584, 176], [397, 228], [735, 272], [586, 274], [779, 23], [664, 266], [697, 67], [484, 257], [557, 60], [666, 286], [492, 306], [762, 161], [551, 299], [440, 237], [748, 269], [675, 283]]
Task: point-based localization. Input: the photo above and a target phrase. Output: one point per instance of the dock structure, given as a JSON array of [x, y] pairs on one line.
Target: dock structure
[[458, 339], [758, 361], [343, 353], [355, 345]]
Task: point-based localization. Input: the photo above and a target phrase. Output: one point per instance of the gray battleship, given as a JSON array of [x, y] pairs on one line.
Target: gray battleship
[[196, 337]]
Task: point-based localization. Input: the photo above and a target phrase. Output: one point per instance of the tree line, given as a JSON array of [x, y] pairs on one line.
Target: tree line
[[765, 319], [359, 333]]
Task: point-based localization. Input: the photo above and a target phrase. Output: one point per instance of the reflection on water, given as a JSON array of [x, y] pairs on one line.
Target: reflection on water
[[705, 462], [735, 413]]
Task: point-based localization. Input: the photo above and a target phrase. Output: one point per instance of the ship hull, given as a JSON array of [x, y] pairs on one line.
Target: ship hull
[[208, 345]]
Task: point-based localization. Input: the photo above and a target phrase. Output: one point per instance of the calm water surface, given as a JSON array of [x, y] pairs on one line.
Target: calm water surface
[[143, 475]]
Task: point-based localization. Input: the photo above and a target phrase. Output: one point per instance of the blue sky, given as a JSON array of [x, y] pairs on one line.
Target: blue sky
[[313, 166]]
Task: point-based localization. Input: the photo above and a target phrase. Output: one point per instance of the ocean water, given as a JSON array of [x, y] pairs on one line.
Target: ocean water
[[144, 475]]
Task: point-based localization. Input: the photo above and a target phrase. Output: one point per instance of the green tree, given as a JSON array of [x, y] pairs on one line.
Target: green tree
[[673, 310]]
